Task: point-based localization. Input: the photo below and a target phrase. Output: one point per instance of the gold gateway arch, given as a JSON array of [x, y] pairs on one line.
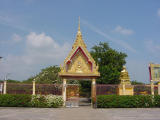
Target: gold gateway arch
[[79, 65]]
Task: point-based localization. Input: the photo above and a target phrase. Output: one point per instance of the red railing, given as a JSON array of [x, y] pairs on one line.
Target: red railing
[[109, 89], [55, 89], [20, 88], [106, 89]]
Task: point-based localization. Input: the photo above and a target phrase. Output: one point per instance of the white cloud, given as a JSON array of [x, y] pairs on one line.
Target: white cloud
[[40, 51], [40, 40], [16, 37], [13, 21], [42, 47], [119, 42], [124, 31], [152, 47], [158, 12]]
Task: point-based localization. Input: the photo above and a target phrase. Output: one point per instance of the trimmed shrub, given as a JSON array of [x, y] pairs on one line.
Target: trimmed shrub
[[157, 100], [38, 101], [54, 101], [19, 100], [47, 101], [116, 101]]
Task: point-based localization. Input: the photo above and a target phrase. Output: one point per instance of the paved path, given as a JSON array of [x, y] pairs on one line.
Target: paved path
[[82, 113]]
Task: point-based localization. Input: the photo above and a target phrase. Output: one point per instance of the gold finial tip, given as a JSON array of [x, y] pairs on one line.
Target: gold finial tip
[[79, 24], [79, 30]]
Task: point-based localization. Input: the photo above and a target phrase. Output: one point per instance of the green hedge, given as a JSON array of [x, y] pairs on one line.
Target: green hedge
[[9, 100], [20, 100], [136, 101]]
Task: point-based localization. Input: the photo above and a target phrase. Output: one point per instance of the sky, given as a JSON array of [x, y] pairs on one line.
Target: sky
[[35, 34]]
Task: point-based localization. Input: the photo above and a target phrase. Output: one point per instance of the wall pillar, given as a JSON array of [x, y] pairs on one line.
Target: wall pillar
[[64, 88], [34, 88], [124, 89], [152, 88], [93, 90], [5, 87], [158, 88]]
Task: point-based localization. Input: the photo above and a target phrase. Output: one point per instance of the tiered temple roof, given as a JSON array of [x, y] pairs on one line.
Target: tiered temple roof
[[79, 62]]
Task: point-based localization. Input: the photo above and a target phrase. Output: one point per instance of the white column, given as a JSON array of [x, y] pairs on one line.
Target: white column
[[158, 88], [64, 90], [34, 88], [152, 87], [5, 87]]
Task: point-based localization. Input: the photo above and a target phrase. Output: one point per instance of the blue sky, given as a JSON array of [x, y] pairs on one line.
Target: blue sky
[[35, 34]]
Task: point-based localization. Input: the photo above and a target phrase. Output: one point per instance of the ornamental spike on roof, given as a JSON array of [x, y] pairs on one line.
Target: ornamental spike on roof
[[79, 40]]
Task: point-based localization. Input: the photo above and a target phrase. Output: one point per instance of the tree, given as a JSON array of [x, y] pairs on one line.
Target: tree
[[13, 81], [47, 75], [135, 82], [110, 63]]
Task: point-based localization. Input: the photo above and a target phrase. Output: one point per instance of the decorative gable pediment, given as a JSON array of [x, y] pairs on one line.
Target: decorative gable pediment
[[79, 62]]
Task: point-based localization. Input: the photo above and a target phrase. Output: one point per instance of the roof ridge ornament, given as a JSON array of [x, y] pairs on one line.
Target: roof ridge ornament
[[79, 29]]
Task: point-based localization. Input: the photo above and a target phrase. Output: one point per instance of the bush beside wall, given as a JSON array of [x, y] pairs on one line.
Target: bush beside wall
[[20, 100], [136, 101], [47, 101], [157, 100], [9, 100]]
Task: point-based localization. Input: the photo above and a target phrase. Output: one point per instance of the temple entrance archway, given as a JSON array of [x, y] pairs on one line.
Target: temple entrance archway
[[79, 65], [71, 92]]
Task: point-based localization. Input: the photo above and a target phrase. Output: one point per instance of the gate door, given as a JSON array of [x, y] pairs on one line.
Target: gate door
[[72, 95]]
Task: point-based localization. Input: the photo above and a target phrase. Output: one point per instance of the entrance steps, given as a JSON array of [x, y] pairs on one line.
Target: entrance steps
[[76, 102], [72, 102], [84, 102]]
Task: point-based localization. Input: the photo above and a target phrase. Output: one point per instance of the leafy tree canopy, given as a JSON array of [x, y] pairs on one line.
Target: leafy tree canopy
[[11, 81], [48, 75], [110, 63], [135, 82]]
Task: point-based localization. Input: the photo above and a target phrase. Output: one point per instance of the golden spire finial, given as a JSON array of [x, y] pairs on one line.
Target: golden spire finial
[[79, 24], [79, 41], [79, 30]]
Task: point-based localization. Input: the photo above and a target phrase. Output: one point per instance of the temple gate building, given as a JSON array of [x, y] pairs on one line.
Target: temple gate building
[[79, 65]]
